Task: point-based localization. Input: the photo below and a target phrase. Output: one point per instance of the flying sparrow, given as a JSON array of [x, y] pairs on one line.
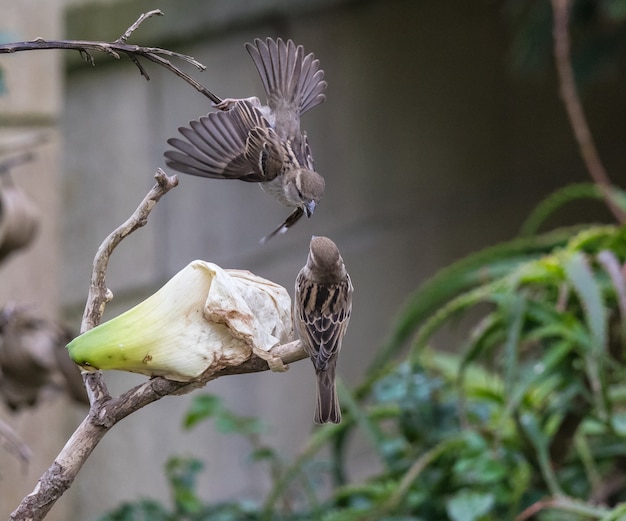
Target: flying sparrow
[[322, 308], [262, 144]]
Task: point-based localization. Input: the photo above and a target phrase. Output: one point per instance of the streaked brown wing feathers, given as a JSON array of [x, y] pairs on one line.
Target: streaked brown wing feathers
[[324, 317], [217, 145]]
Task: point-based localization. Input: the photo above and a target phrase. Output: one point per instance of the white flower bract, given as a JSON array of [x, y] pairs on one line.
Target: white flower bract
[[203, 318]]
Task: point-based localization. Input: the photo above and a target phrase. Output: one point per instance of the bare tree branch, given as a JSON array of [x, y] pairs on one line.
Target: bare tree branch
[[117, 48], [138, 22], [563, 504], [574, 109], [99, 294], [104, 414], [106, 411]]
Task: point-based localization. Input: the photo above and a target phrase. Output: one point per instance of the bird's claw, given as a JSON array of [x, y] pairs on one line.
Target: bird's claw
[[225, 104]]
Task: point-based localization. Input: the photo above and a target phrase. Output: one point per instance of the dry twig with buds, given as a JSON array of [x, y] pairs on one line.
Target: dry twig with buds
[[116, 49]]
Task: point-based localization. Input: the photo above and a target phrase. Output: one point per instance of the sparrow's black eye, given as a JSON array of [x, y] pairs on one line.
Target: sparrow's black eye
[[299, 193]]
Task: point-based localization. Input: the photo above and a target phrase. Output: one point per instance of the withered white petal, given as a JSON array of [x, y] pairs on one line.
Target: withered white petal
[[204, 317]]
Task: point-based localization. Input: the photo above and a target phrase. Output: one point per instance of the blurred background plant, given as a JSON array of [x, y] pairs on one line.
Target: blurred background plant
[[522, 418], [598, 37]]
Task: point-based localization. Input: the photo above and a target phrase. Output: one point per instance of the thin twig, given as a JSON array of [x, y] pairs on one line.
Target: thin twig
[[117, 48], [14, 443], [138, 22], [563, 504], [99, 295], [154, 57], [574, 109]]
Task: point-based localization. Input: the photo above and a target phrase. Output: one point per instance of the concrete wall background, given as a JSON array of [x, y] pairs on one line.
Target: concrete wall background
[[430, 148]]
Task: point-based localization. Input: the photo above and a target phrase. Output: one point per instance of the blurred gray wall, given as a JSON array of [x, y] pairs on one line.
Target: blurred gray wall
[[31, 106], [430, 147]]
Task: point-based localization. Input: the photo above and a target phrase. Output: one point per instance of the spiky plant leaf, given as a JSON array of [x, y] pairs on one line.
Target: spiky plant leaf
[[563, 196], [472, 271]]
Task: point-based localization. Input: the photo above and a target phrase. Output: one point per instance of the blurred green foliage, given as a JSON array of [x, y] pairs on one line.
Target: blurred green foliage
[[598, 35]]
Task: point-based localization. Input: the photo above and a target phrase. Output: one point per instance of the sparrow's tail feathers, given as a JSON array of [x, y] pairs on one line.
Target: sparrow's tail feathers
[[312, 83], [327, 406], [287, 74]]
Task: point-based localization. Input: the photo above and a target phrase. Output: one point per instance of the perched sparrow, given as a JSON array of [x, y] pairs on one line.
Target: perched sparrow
[[262, 144], [322, 308]]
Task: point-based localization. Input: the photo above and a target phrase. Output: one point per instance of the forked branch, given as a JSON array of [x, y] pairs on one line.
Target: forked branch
[[116, 49]]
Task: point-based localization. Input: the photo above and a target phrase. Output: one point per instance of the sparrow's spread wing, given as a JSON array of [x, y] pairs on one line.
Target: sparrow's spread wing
[[323, 312], [233, 144]]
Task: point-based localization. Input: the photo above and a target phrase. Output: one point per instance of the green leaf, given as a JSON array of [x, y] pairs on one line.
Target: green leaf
[[530, 425], [594, 239], [534, 384], [263, 454], [454, 307], [369, 428], [469, 506], [182, 474], [616, 514], [611, 264], [477, 381], [475, 270], [615, 9], [202, 407], [515, 314], [588, 290], [229, 423], [142, 510], [481, 469], [487, 335], [581, 276], [618, 423], [560, 198]]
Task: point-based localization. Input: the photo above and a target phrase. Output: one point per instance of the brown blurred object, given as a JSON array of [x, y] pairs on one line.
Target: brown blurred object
[[19, 217], [33, 360]]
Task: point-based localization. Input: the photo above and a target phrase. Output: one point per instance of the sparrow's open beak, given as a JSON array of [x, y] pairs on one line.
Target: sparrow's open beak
[[309, 208]]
